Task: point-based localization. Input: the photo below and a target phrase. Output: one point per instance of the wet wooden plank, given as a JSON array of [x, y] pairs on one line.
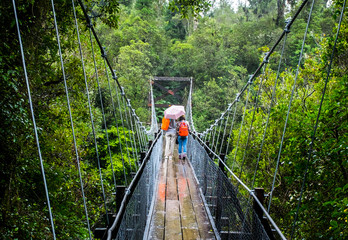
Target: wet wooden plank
[[188, 216], [171, 193], [173, 223], [179, 212], [204, 226]]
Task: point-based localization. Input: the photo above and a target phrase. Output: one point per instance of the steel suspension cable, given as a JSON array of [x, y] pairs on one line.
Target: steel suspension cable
[[215, 127], [275, 45], [210, 133], [289, 107], [124, 131], [128, 125], [223, 136], [95, 140], [252, 119], [71, 120], [136, 133], [313, 138], [34, 121], [99, 44], [232, 123], [133, 135], [286, 30], [218, 136], [241, 124], [101, 104], [140, 138], [136, 124], [143, 133], [116, 122]]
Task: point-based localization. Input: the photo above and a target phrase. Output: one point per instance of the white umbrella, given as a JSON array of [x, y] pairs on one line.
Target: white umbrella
[[174, 112]]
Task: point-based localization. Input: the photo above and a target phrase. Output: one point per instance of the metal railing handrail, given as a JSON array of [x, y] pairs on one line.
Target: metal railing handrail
[[251, 192], [116, 224]]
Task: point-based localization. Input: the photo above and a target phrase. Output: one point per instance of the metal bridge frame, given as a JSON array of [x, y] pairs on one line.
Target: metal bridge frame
[[155, 81]]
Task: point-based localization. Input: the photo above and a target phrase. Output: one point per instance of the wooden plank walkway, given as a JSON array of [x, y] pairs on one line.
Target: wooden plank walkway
[[179, 211]]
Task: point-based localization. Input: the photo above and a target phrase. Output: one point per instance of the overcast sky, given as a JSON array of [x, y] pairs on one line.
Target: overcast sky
[[233, 3]]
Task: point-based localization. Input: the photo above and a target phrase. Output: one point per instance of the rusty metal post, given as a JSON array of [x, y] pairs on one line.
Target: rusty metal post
[[142, 156], [120, 191], [150, 143], [206, 143], [260, 194]]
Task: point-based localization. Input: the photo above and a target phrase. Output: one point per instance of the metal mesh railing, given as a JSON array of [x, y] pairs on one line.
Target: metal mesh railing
[[133, 222], [232, 213]]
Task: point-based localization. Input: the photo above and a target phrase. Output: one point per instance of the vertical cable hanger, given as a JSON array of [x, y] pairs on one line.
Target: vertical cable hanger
[[313, 138], [102, 108], [101, 49], [253, 115], [132, 134], [286, 30], [232, 123], [141, 134], [213, 135], [289, 107], [123, 127], [116, 122], [34, 122], [71, 120], [127, 123], [226, 122], [242, 123], [95, 140], [136, 133], [219, 131], [140, 139], [135, 130]]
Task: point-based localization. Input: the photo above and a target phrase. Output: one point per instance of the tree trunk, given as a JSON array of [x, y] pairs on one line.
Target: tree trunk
[[280, 13]]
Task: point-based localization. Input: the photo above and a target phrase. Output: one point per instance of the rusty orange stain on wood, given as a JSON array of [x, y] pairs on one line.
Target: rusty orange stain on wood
[[162, 192]]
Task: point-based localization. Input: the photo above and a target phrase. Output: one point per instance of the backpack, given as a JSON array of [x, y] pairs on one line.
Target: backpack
[[183, 129], [165, 124]]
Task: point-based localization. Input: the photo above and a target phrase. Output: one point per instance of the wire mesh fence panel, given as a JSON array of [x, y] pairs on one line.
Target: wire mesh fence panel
[[134, 220], [232, 213]]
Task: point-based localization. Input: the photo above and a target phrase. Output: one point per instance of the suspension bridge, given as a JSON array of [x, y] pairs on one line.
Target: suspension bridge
[[202, 197]]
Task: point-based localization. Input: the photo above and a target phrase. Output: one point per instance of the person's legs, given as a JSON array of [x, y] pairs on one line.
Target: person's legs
[[172, 143], [184, 142], [167, 149], [180, 146]]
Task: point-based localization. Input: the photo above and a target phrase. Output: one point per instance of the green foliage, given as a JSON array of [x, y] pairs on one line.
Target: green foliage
[[217, 46], [187, 7]]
